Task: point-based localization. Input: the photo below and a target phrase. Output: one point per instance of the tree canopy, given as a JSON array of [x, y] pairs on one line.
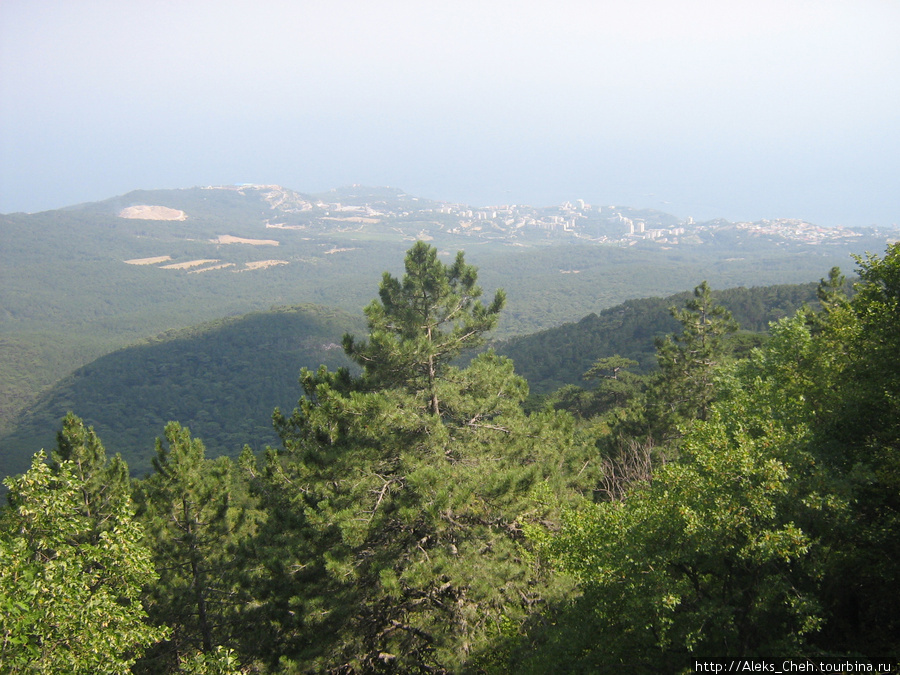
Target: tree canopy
[[70, 579], [422, 322]]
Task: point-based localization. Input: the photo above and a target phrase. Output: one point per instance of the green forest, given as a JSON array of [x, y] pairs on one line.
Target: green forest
[[424, 513], [223, 378], [76, 284]]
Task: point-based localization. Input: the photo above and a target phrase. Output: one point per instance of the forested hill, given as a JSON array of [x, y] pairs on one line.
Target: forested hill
[[80, 282], [222, 379], [415, 517], [558, 356]]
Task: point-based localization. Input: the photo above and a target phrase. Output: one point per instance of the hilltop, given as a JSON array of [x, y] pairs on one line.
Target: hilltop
[[359, 213]]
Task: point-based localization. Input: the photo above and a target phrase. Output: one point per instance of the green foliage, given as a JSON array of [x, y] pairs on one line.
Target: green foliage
[[741, 501], [395, 534], [222, 379], [615, 385], [414, 522], [559, 356], [220, 662], [687, 360], [835, 373], [856, 399], [774, 529], [876, 372], [193, 510], [69, 298], [710, 558], [422, 323], [69, 584], [682, 389], [102, 484]]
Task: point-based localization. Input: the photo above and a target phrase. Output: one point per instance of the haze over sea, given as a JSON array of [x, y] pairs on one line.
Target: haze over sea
[[742, 110]]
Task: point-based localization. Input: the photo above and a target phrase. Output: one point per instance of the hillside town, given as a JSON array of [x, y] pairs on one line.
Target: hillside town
[[614, 225]]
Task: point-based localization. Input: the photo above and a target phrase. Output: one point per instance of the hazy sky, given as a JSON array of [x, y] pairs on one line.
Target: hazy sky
[[731, 108]]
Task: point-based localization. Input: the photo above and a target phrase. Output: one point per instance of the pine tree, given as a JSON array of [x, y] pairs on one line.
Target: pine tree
[[422, 322], [616, 384], [191, 510], [102, 483], [394, 537], [687, 359]]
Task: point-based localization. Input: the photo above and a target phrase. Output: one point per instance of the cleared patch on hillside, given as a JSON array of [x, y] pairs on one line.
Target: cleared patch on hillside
[[188, 264], [147, 212], [262, 264], [228, 239], [285, 226], [148, 261], [214, 267]]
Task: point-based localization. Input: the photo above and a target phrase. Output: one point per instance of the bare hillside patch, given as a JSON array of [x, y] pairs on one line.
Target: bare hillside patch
[[262, 264], [148, 261], [146, 212], [228, 239], [188, 264], [214, 267]]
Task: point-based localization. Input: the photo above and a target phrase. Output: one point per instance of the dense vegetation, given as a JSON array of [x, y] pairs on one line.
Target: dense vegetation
[[67, 296], [560, 356], [223, 379], [415, 518]]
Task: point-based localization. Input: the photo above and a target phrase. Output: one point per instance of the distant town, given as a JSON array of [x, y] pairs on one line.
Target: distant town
[[614, 225]]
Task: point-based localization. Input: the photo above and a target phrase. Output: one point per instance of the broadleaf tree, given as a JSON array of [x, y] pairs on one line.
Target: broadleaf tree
[[70, 590], [774, 529], [717, 553]]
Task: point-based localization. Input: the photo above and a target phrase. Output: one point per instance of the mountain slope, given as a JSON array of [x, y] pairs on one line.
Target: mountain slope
[[559, 356], [80, 282], [223, 380]]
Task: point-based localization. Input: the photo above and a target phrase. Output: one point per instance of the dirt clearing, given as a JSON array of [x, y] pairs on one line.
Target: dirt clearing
[[148, 261], [262, 264], [146, 212], [188, 264], [228, 239]]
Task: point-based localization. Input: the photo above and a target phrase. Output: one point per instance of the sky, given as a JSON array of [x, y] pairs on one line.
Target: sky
[[704, 108]]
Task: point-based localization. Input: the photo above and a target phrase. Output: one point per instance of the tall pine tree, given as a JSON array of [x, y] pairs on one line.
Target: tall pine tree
[[688, 359], [394, 537], [422, 322], [193, 510]]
